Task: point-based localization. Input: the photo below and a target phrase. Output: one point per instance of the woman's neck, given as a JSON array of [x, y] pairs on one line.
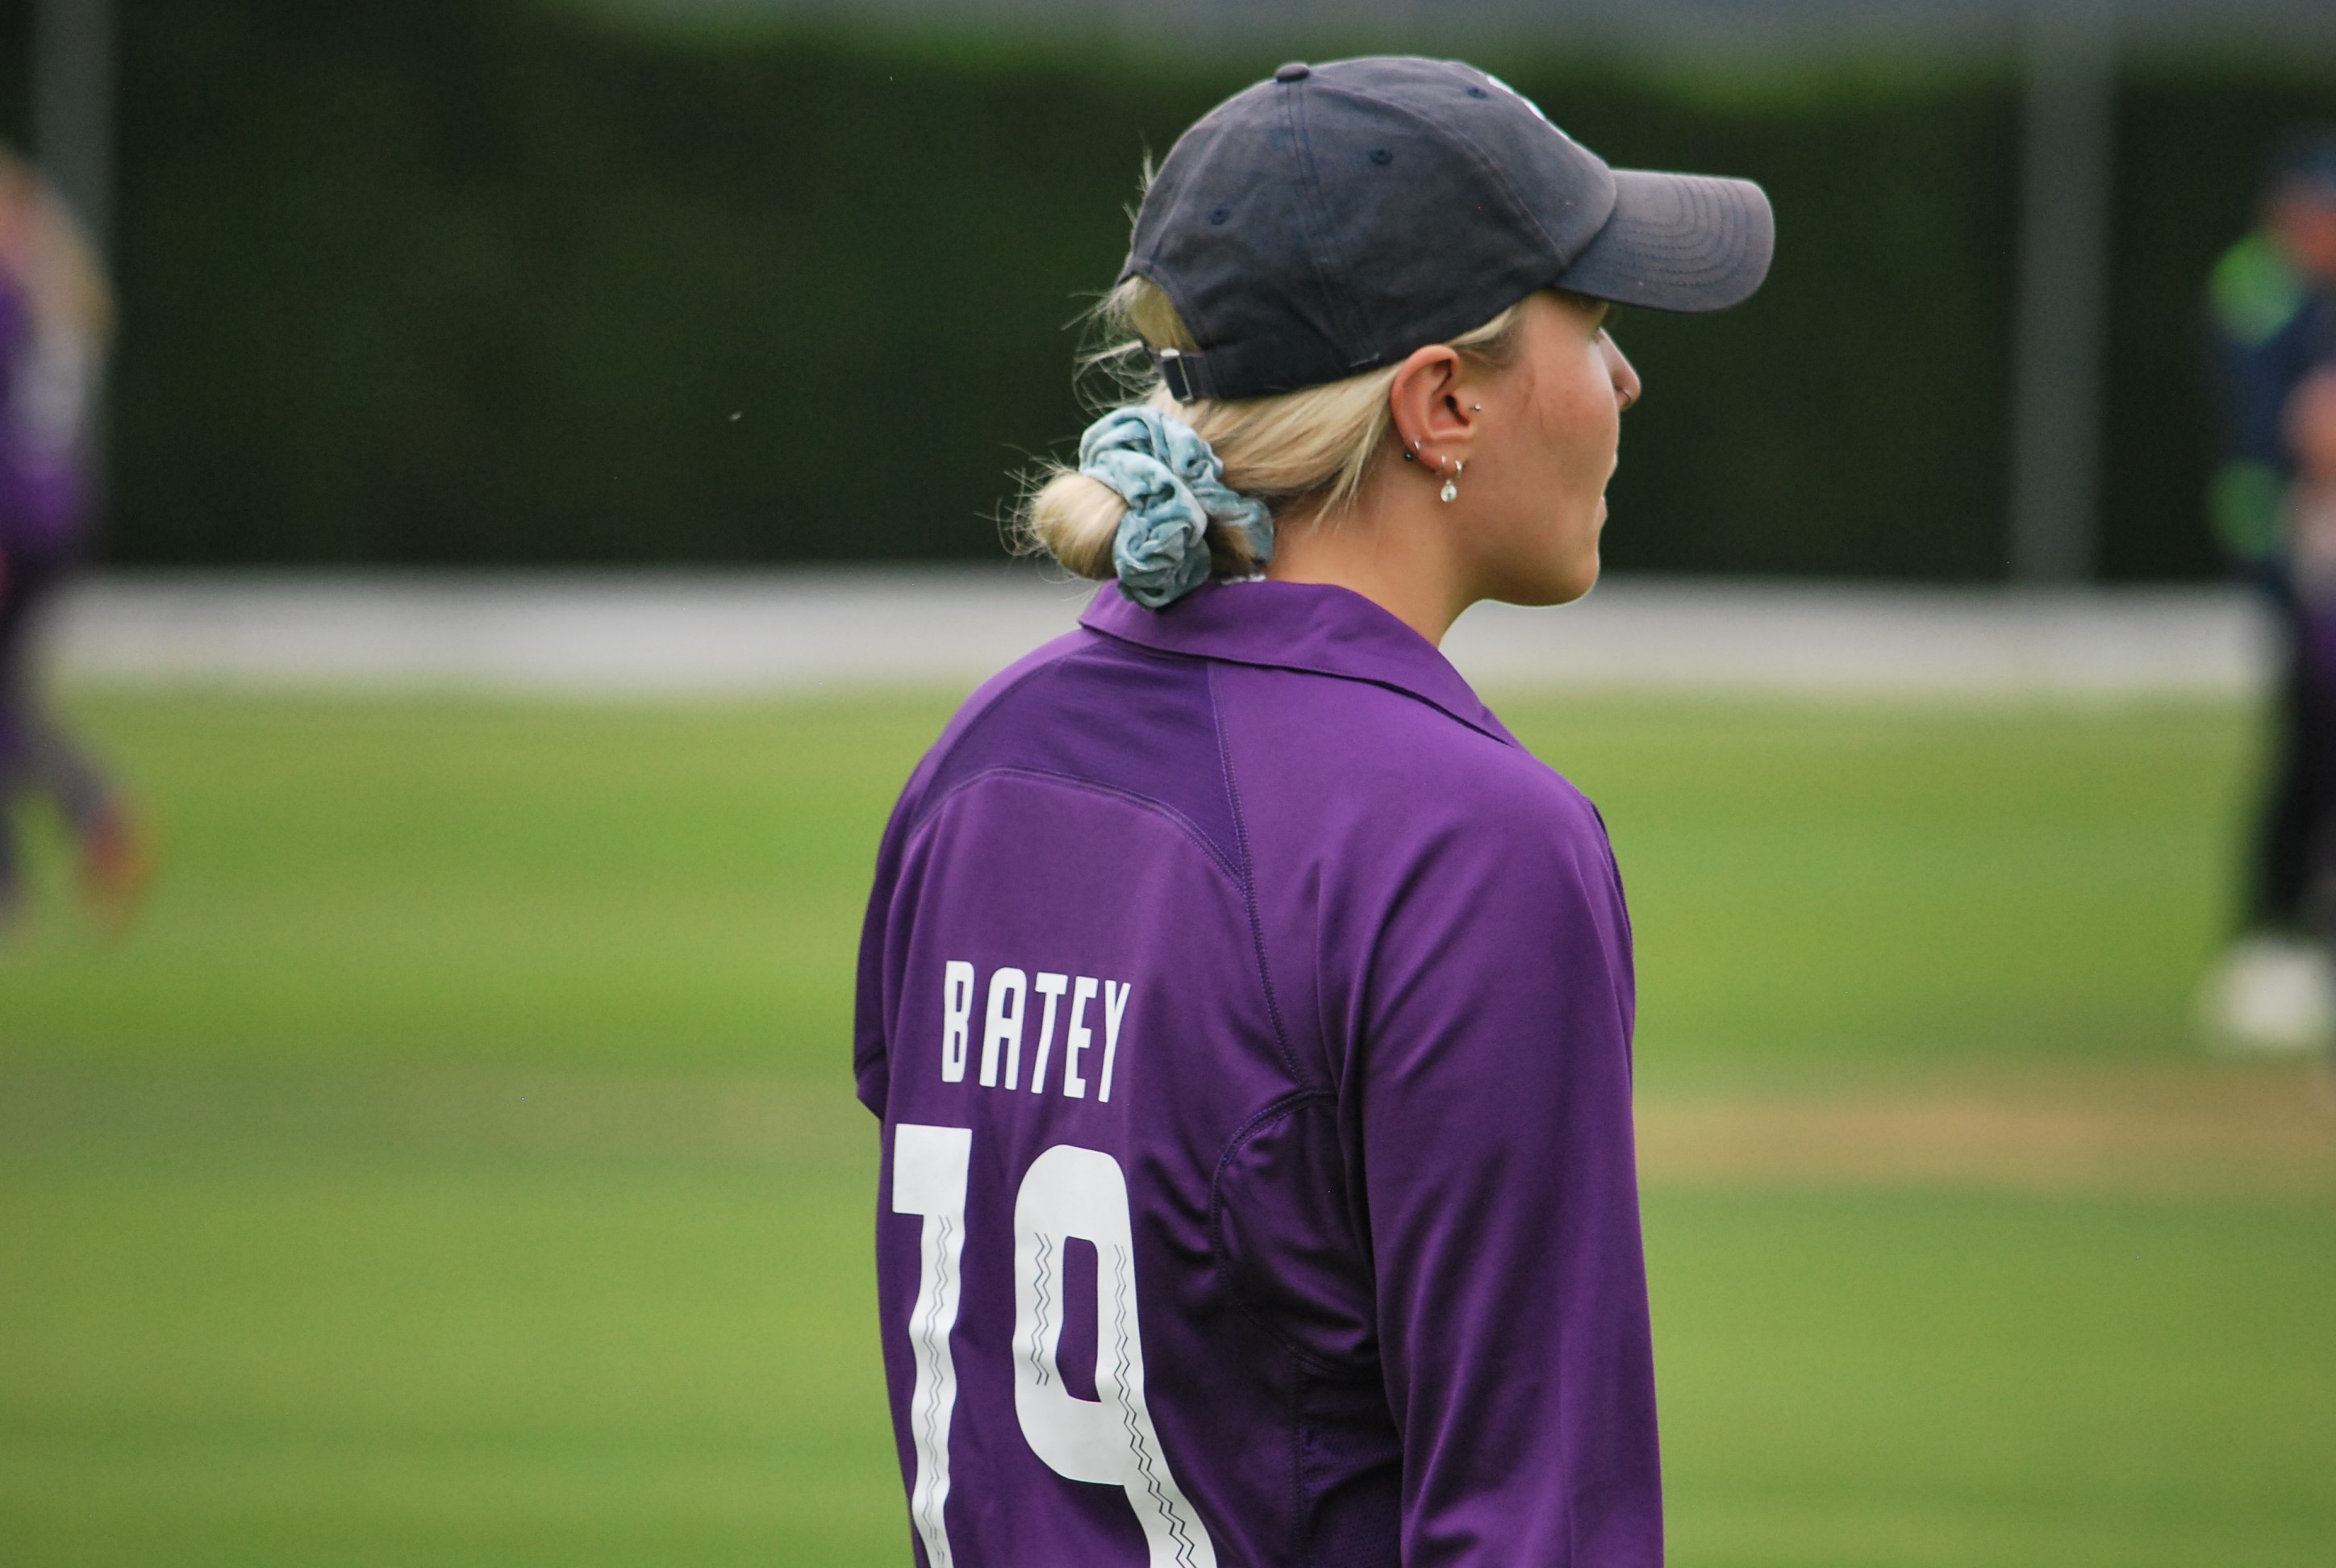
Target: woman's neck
[[1390, 547]]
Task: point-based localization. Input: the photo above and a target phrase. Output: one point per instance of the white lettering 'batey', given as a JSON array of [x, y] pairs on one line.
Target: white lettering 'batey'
[[1008, 989], [1002, 1028], [1051, 988], [1079, 1040], [956, 1012], [1115, 1007]]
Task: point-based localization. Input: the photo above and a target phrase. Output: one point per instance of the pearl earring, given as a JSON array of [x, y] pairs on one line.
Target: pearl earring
[[1451, 491]]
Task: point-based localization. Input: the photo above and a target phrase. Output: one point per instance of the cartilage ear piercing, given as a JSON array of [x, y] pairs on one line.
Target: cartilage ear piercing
[[1476, 408]]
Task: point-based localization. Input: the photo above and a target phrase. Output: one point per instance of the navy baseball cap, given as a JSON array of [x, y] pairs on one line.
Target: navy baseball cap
[[1335, 217]]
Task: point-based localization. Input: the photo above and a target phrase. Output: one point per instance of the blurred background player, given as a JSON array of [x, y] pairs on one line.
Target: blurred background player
[[55, 315], [2272, 314], [2308, 516]]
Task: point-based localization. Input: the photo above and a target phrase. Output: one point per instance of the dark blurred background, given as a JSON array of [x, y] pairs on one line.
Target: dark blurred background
[[504, 281]]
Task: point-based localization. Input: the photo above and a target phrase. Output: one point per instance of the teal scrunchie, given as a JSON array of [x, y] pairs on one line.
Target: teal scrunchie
[[1174, 487]]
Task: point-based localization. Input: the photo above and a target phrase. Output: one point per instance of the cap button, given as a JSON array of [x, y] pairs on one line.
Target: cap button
[[1296, 71]]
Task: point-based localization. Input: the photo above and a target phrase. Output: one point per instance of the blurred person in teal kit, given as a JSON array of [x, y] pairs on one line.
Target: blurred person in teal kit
[[2299, 837], [2272, 323], [54, 317], [2272, 313]]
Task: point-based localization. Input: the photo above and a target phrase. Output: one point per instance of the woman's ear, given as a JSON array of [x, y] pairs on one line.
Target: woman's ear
[[1431, 420]]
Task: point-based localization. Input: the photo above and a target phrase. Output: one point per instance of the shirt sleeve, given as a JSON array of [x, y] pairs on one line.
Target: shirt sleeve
[[1501, 1193]]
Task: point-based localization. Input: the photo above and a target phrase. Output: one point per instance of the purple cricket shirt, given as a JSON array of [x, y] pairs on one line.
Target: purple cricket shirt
[[1249, 1018], [41, 482]]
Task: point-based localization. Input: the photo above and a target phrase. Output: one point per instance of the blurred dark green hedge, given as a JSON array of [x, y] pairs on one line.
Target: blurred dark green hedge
[[466, 281]]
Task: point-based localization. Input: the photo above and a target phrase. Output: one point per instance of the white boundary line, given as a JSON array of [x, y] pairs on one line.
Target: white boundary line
[[671, 634]]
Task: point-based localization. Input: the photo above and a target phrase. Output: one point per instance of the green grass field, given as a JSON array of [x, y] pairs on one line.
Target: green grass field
[[458, 1165]]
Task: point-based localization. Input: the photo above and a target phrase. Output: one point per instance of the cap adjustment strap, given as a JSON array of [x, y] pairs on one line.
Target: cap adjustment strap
[[1186, 375]]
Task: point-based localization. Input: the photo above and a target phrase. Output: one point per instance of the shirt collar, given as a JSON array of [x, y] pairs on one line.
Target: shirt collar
[[1304, 626]]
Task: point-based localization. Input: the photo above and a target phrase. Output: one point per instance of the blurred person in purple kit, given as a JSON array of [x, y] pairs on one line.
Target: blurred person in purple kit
[[54, 315], [1248, 1012], [2271, 313]]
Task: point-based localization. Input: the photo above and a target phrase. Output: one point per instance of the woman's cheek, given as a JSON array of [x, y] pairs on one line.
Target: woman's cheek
[[1589, 452]]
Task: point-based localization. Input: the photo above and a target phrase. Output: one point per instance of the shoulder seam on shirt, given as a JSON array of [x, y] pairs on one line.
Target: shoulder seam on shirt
[[1248, 882], [1182, 824], [939, 758]]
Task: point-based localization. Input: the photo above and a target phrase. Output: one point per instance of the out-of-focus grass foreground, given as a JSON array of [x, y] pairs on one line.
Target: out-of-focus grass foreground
[[458, 1165]]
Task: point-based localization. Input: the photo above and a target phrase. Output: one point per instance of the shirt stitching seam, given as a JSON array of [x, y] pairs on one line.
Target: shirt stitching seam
[[989, 710], [1300, 1538], [1275, 1110], [1182, 824], [1248, 883]]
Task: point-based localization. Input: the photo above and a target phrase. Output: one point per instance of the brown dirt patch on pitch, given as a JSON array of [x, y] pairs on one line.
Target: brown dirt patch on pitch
[[2205, 1129]]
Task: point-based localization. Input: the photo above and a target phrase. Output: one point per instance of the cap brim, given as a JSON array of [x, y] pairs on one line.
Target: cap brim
[[1678, 242]]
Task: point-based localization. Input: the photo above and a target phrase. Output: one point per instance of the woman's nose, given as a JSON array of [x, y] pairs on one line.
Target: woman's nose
[[1626, 379]]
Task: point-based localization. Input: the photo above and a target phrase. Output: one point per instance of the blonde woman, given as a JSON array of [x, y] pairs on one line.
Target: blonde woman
[[54, 318], [1249, 1014]]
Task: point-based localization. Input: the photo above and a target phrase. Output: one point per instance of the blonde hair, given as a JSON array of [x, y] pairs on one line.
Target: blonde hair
[[1304, 454]]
